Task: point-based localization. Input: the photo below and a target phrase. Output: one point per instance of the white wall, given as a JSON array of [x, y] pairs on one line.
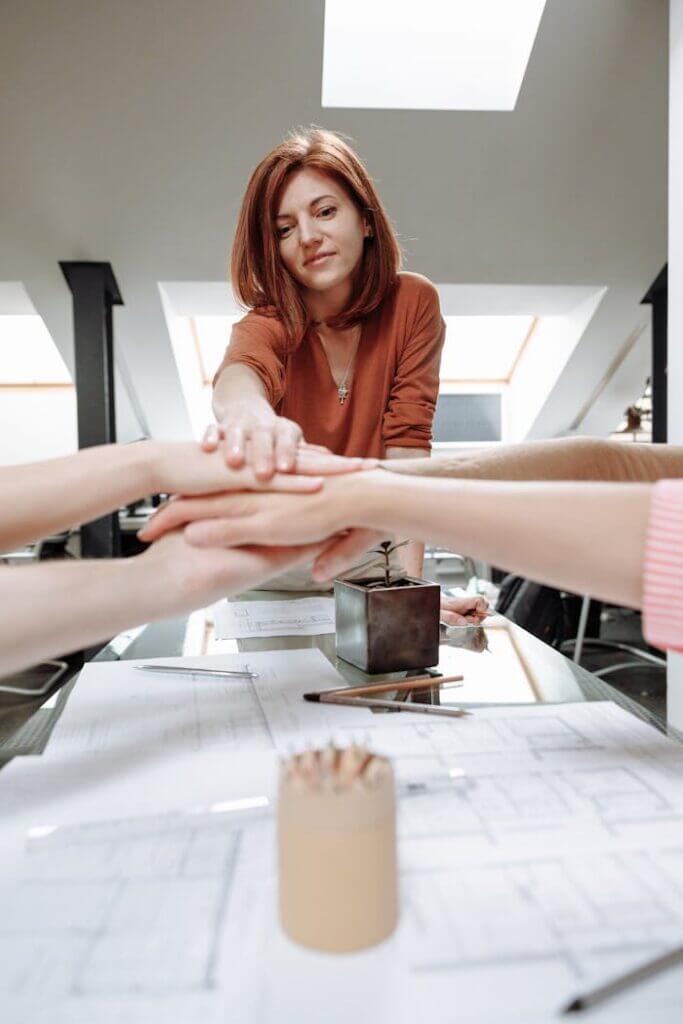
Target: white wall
[[675, 326]]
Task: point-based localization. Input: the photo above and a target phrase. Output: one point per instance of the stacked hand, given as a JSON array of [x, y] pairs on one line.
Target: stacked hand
[[252, 433], [222, 511]]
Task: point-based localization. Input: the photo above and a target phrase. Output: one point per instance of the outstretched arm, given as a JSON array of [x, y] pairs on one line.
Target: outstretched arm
[[78, 604], [574, 458], [44, 497], [587, 538]]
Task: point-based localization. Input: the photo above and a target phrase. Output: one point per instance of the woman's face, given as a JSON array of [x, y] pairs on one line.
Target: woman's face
[[320, 231]]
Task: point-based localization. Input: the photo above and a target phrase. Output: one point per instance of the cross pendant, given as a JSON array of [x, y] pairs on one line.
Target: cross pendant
[[342, 391]]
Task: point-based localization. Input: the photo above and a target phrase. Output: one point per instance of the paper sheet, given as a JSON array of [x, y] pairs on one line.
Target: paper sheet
[[174, 918], [550, 858], [117, 707], [129, 919], [307, 616]]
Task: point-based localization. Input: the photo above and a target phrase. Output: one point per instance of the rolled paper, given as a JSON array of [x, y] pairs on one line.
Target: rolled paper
[[338, 887]]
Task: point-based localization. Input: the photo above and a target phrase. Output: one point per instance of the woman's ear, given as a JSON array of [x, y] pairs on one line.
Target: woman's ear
[[367, 229]]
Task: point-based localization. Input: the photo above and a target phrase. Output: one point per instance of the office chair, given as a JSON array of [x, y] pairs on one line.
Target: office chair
[[638, 656]]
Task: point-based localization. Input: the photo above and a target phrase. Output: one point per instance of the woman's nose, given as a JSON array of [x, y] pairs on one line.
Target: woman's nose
[[309, 233]]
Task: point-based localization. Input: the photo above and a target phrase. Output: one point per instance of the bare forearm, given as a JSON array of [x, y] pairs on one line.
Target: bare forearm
[[236, 386], [587, 538], [45, 497], [580, 458], [56, 607]]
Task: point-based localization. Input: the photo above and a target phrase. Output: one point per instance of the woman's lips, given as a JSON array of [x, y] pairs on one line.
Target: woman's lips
[[318, 260]]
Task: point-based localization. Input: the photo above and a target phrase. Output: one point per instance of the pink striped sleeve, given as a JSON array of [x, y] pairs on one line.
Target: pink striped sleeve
[[663, 569]]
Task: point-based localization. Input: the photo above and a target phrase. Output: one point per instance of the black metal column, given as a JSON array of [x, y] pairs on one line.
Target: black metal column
[[94, 291], [657, 297]]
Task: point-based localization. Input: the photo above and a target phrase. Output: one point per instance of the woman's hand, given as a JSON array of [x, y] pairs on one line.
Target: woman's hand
[[254, 435], [305, 458], [186, 577], [464, 610], [184, 468], [248, 518]]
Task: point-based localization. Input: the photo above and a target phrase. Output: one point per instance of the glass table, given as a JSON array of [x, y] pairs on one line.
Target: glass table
[[501, 664]]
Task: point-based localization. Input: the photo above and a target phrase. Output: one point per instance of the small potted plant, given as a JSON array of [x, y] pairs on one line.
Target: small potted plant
[[389, 623]]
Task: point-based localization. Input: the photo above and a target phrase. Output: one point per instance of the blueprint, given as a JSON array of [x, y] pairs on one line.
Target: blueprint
[[128, 917], [540, 851], [306, 616], [115, 705]]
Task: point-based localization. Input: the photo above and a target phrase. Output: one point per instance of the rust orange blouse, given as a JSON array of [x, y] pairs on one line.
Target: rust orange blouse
[[395, 382]]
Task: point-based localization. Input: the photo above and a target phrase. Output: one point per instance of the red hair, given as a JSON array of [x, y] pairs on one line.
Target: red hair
[[259, 278]]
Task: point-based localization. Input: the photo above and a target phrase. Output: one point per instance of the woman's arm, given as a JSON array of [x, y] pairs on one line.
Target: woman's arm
[[44, 497], [574, 458], [587, 538], [77, 604], [245, 417], [248, 386]]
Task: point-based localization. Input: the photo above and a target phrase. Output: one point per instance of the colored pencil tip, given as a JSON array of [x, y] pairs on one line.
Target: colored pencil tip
[[312, 696], [575, 1006]]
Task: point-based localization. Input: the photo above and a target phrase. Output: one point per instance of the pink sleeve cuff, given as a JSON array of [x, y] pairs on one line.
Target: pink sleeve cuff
[[663, 569]]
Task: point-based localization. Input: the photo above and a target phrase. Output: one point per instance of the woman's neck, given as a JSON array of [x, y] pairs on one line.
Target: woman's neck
[[322, 306]]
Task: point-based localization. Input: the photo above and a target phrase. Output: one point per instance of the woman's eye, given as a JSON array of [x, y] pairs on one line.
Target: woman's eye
[[327, 211], [284, 231]]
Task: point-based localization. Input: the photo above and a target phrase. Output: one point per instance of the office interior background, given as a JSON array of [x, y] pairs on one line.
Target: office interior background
[[545, 208]]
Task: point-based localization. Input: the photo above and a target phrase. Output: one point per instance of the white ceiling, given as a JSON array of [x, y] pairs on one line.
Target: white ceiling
[[128, 131]]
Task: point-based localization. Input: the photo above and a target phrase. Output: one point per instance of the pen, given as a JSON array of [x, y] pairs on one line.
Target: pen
[[624, 981], [336, 697], [213, 672]]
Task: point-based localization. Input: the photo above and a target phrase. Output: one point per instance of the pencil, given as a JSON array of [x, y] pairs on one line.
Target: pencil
[[336, 697], [418, 683], [624, 981]]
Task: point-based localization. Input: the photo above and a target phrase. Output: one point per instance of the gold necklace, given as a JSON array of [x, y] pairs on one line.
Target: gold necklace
[[342, 387]]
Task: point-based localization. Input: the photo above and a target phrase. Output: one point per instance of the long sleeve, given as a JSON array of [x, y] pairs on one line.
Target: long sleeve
[[663, 568], [258, 341], [576, 458], [407, 421]]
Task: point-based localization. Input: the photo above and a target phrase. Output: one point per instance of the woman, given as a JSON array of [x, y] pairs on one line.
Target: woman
[[340, 347]]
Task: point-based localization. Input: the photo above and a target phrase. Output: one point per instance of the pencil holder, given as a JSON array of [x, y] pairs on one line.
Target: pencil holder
[[338, 888]]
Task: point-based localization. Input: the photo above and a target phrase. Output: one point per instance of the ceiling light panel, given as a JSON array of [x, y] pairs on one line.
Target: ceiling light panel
[[431, 55]]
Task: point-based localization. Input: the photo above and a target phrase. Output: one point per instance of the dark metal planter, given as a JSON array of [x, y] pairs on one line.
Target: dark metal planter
[[387, 629]]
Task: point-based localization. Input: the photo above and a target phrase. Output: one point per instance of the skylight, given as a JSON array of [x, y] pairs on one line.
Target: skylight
[[477, 348], [483, 348], [211, 335], [431, 55], [28, 355]]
